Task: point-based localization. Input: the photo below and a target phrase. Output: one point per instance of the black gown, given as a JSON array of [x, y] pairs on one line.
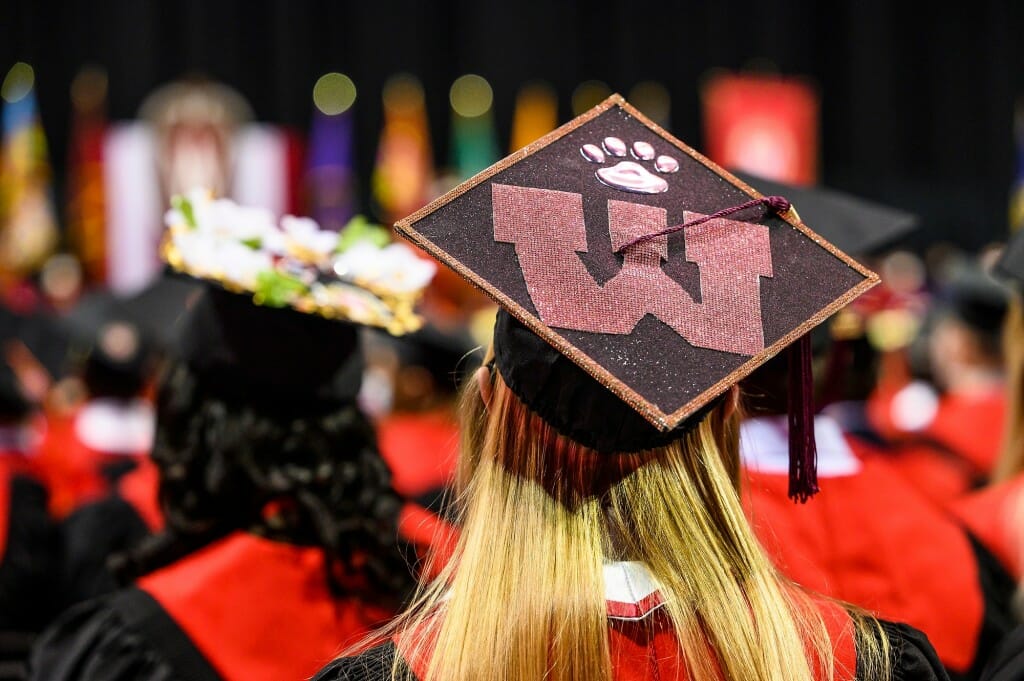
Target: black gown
[[28, 568], [89, 537], [912, 659], [241, 608], [116, 639], [1007, 662]]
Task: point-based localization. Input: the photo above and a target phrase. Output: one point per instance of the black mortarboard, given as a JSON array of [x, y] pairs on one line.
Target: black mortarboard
[[571, 236], [976, 298], [280, 317], [250, 352], [850, 223], [1011, 262]]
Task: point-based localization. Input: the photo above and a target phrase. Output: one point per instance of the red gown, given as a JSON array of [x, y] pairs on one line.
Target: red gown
[[995, 516], [871, 539], [421, 449], [967, 428], [83, 451]]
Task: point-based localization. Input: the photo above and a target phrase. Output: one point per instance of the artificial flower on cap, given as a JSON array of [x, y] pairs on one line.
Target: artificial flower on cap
[[638, 281], [356, 275]]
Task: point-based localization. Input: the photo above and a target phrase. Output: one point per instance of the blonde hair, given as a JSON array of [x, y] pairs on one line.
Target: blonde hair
[[522, 598]]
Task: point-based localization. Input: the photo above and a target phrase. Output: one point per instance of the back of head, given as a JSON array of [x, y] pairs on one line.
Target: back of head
[[118, 363], [258, 431], [541, 516]]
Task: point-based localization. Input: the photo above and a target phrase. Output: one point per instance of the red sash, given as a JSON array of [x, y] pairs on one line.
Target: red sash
[[646, 649], [260, 610], [141, 488], [421, 450]]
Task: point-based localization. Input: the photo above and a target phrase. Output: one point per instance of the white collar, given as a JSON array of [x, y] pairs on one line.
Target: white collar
[[631, 591], [764, 447], [116, 426]]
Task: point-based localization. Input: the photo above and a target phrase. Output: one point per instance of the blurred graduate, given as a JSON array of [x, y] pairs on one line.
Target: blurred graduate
[[281, 535]]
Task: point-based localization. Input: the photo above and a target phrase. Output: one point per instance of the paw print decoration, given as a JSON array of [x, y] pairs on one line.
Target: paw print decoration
[[630, 176]]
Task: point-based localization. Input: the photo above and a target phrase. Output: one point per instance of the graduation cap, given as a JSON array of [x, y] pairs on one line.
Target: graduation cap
[[159, 308], [852, 224], [976, 298], [279, 320], [355, 276], [638, 281], [1011, 262]]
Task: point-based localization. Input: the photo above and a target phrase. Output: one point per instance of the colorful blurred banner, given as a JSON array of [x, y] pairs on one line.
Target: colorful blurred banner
[[536, 114], [28, 225], [330, 172], [194, 121], [1017, 191], [589, 94], [134, 206], [261, 178], [404, 171], [765, 125], [474, 146], [86, 219], [653, 99]]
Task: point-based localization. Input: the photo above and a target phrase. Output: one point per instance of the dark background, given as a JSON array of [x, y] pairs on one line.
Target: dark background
[[917, 97]]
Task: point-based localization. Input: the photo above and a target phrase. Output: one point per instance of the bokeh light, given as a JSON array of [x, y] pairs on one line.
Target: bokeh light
[[18, 82], [334, 93], [403, 93], [89, 88], [589, 94], [653, 100], [471, 95]]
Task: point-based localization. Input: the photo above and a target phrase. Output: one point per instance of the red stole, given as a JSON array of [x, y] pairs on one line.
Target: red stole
[[141, 489], [260, 610], [871, 539], [646, 649], [421, 450]]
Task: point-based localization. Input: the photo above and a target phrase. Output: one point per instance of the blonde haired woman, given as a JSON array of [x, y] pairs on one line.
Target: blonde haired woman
[[581, 566], [602, 536]]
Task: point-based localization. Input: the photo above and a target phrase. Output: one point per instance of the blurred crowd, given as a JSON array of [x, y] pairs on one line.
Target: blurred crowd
[[120, 476]]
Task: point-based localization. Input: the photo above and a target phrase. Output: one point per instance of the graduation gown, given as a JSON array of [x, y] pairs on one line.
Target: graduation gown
[[83, 454], [421, 449], [1007, 662], [995, 517], [29, 561], [100, 529], [871, 539], [643, 645], [243, 608], [966, 427]]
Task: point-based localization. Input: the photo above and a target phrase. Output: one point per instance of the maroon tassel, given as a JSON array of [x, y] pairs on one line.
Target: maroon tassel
[[803, 454]]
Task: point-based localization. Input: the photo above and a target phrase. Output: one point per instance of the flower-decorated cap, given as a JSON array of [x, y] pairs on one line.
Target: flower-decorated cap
[[644, 271], [279, 320], [356, 275]]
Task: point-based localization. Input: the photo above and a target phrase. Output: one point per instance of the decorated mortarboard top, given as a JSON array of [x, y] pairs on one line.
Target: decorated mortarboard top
[[355, 275], [658, 273]]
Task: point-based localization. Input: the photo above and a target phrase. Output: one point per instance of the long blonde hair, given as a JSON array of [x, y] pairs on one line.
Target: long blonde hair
[[522, 598]]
